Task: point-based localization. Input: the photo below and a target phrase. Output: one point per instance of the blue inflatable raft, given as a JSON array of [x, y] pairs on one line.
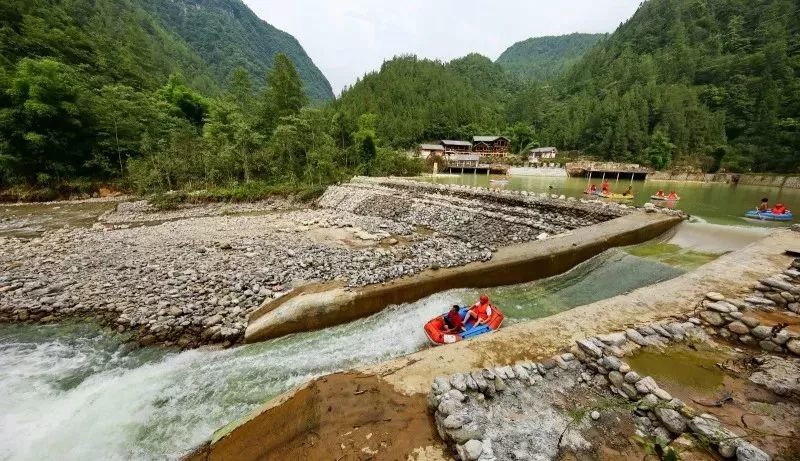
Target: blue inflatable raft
[[769, 216]]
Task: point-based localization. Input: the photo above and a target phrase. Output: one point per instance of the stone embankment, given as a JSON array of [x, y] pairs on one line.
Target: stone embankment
[[571, 384], [192, 276], [768, 318], [513, 411], [768, 180]]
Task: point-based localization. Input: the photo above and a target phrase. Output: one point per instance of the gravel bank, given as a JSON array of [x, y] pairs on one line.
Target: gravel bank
[[190, 280]]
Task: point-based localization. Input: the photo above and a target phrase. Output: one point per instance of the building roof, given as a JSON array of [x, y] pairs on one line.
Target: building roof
[[487, 138], [431, 147], [464, 157], [456, 143], [543, 149]]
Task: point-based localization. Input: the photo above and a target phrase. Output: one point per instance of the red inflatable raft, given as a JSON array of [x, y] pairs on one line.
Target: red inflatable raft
[[437, 330]]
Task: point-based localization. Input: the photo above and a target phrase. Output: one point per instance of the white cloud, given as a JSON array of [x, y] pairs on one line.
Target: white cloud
[[348, 38]]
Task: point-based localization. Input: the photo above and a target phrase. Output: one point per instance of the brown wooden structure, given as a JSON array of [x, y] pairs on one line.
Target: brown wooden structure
[[497, 146]]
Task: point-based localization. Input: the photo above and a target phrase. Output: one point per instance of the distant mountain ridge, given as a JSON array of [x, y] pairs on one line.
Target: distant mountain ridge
[[546, 58], [227, 34]]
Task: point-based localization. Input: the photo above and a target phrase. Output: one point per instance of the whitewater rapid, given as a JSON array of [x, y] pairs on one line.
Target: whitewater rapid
[[75, 393]]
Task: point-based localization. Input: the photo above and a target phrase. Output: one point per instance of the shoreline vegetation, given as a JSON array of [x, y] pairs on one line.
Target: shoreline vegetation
[[730, 105]]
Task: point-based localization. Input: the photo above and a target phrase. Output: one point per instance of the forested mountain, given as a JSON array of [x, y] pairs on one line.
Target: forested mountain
[[701, 83], [416, 99], [227, 35], [102, 89], [719, 78], [545, 58]]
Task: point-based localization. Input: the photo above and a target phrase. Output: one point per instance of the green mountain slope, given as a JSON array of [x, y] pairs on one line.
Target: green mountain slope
[[418, 99], [719, 78], [89, 34], [227, 34], [545, 58]]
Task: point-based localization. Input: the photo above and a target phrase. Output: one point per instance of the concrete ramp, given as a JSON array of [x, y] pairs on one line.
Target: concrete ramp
[[313, 309]]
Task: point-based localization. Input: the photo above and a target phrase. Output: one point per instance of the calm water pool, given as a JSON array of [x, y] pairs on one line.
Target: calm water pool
[[715, 203]]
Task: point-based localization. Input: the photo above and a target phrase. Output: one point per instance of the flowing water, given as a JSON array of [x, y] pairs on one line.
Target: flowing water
[[715, 203], [74, 392], [69, 382], [77, 391]]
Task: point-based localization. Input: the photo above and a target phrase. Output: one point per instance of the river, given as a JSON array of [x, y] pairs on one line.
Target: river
[[77, 391], [713, 202]]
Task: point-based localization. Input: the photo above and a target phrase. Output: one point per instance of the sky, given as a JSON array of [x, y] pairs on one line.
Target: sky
[[348, 38]]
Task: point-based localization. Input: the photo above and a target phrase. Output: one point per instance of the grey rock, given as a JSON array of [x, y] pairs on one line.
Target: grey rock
[[455, 421], [738, 327], [749, 452], [448, 407], [441, 384], [635, 336], [459, 382], [671, 419], [472, 450], [646, 385], [712, 318], [616, 378], [793, 346], [761, 332], [589, 347], [632, 377], [611, 363]]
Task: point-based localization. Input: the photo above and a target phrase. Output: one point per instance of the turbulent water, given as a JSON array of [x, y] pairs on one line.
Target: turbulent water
[[78, 392]]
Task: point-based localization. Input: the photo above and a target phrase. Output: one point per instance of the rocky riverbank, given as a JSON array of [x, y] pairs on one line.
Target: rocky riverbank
[[191, 276], [523, 411]]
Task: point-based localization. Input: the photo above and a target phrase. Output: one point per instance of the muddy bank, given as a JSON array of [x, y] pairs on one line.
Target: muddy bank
[[510, 265], [769, 180], [344, 416]]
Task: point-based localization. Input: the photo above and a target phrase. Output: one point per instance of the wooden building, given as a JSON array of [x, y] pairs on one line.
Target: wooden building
[[426, 150], [463, 160], [490, 145], [451, 146]]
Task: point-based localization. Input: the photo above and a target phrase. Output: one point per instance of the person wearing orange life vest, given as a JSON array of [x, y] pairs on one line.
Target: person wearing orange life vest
[[778, 209], [660, 193], [672, 196], [593, 189], [606, 188], [481, 311]]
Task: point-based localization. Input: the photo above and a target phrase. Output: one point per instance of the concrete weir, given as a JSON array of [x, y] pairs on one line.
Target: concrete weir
[[315, 308], [293, 415]]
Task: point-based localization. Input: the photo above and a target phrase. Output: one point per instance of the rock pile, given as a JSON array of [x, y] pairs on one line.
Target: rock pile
[[192, 275], [740, 319], [464, 402], [486, 217]]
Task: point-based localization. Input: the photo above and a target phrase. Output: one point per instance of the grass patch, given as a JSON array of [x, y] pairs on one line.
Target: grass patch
[[244, 192], [67, 190]]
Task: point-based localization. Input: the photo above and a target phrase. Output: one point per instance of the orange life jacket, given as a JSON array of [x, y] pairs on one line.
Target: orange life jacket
[[482, 310]]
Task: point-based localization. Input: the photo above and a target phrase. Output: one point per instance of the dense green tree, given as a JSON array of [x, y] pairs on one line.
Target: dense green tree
[[43, 124]]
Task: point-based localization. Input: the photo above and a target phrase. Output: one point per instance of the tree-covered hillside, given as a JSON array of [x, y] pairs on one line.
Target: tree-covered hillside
[[417, 99], [719, 78], [227, 35], [106, 40], [700, 83], [100, 90], [546, 58]]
